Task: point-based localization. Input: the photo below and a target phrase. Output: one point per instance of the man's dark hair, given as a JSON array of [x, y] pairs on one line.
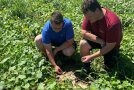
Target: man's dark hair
[[56, 17], [91, 5]]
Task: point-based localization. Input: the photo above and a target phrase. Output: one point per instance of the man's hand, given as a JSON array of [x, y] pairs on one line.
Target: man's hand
[[86, 59], [58, 70]]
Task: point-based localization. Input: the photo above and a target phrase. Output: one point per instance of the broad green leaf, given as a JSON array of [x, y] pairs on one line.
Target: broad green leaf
[[21, 76], [21, 63], [4, 60], [27, 86], [107, 88], [41, 63], [2, 85], [12, 68], [12, 79], [119, 87], [39, 74], [51, 86], [41, 86], [17, 88]]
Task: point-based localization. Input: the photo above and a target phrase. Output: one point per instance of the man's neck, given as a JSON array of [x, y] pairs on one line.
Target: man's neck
[[102, 14]]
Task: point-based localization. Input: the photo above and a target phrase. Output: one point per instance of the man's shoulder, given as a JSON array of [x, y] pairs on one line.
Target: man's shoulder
[[67, 22], [112, 18], [47, 26]]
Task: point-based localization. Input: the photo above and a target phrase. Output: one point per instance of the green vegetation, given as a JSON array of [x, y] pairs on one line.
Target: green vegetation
[[23, 67]]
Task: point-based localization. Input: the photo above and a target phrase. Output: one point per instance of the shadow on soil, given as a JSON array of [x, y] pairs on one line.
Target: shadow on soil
[[69, 63], [74, 66], [124, 68]]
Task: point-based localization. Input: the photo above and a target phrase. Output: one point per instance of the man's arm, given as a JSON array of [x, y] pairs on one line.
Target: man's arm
[[104, 50], [50, 55], [66, 44], [107, 48], [92, 37]]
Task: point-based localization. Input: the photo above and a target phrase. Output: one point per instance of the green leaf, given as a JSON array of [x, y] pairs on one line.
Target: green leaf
[[21, 63], [92, 88], [107, 88], [2, 85], [4, 60], [41, 86], [17, 88], [51, 86], [119, 87], [39, 74], [36, 25], [41, 62], [21, 76], [12, 68], [27, 86], [12, 79]]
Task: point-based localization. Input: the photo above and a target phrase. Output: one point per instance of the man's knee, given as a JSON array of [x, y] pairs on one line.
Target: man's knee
[[83, 42], [84, 45], [38, 39], [68, 52]]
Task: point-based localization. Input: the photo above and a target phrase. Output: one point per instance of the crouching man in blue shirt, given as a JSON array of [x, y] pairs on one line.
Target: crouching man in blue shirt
[[58, 32]]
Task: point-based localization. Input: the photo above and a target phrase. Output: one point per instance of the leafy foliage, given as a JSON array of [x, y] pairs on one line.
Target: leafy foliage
[[23, 67]]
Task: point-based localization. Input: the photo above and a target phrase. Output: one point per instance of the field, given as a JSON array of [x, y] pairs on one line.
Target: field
[[22, 66]]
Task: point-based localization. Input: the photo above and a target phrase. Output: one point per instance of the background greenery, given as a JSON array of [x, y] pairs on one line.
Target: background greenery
[[23, 67]]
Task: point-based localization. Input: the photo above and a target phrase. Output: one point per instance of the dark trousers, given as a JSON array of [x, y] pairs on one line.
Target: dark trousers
[[110, 59]]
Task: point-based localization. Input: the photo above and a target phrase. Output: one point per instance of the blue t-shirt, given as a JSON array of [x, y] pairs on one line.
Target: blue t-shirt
[[57, 38]]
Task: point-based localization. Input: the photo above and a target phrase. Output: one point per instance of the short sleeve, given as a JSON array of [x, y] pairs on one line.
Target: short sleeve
[[69, 31], [85, 24], [113, 34], [45, 35]]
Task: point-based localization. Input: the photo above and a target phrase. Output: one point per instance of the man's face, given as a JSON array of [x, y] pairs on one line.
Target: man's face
[[57, 27], [91, 16]]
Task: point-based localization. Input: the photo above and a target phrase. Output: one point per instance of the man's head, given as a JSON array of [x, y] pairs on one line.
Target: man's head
[[91, 9], [56, 21]]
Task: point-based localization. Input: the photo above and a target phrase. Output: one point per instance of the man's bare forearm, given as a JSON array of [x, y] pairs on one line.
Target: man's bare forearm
[[49, 53], [51, 57], [104, 50], [65, 45], [92, 37]]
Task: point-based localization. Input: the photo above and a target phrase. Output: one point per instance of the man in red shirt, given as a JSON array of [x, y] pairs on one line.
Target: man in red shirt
[[101, 28]]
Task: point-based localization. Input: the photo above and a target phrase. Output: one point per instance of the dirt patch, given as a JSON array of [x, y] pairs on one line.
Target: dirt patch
[[76, 82], [69, 73]]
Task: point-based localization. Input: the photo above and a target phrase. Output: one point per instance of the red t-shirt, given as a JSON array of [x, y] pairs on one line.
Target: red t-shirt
[[108, 28]]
